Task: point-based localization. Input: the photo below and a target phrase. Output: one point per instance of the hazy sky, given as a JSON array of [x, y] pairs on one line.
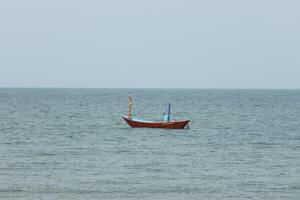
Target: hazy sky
[[157, 43]]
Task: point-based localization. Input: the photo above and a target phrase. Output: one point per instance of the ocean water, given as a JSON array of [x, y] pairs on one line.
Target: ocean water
[[73, 144]]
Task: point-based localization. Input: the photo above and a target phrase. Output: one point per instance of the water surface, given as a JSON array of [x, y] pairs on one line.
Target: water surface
[[72, 144]]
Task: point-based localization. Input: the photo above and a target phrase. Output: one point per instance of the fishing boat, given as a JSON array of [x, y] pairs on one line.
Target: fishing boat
[[166, 123]]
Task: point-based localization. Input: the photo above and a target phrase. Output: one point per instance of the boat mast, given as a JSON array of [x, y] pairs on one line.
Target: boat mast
[[169, 111], [130, 104]]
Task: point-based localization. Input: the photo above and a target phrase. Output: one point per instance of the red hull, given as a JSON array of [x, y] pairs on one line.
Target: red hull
[[167, 125]]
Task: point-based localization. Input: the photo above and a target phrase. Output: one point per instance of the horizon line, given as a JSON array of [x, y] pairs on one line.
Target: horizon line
[[188, 88]]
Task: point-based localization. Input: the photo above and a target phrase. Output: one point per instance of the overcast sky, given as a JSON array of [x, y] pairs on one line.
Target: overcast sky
[[156, 44]]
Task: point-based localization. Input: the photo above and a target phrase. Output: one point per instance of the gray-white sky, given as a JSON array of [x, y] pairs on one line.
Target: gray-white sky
[[157, 43]]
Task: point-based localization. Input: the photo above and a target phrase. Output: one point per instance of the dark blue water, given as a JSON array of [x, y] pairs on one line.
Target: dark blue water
[[73, 144]]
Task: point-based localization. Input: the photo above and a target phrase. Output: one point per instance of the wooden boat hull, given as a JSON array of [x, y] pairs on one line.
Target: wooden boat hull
[[161, 124]]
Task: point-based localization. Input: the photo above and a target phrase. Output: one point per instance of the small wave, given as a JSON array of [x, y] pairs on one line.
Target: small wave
[[10, 190], [295, 187]]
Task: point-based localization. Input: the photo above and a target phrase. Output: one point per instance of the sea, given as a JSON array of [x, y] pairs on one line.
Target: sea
[[70, 144]]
